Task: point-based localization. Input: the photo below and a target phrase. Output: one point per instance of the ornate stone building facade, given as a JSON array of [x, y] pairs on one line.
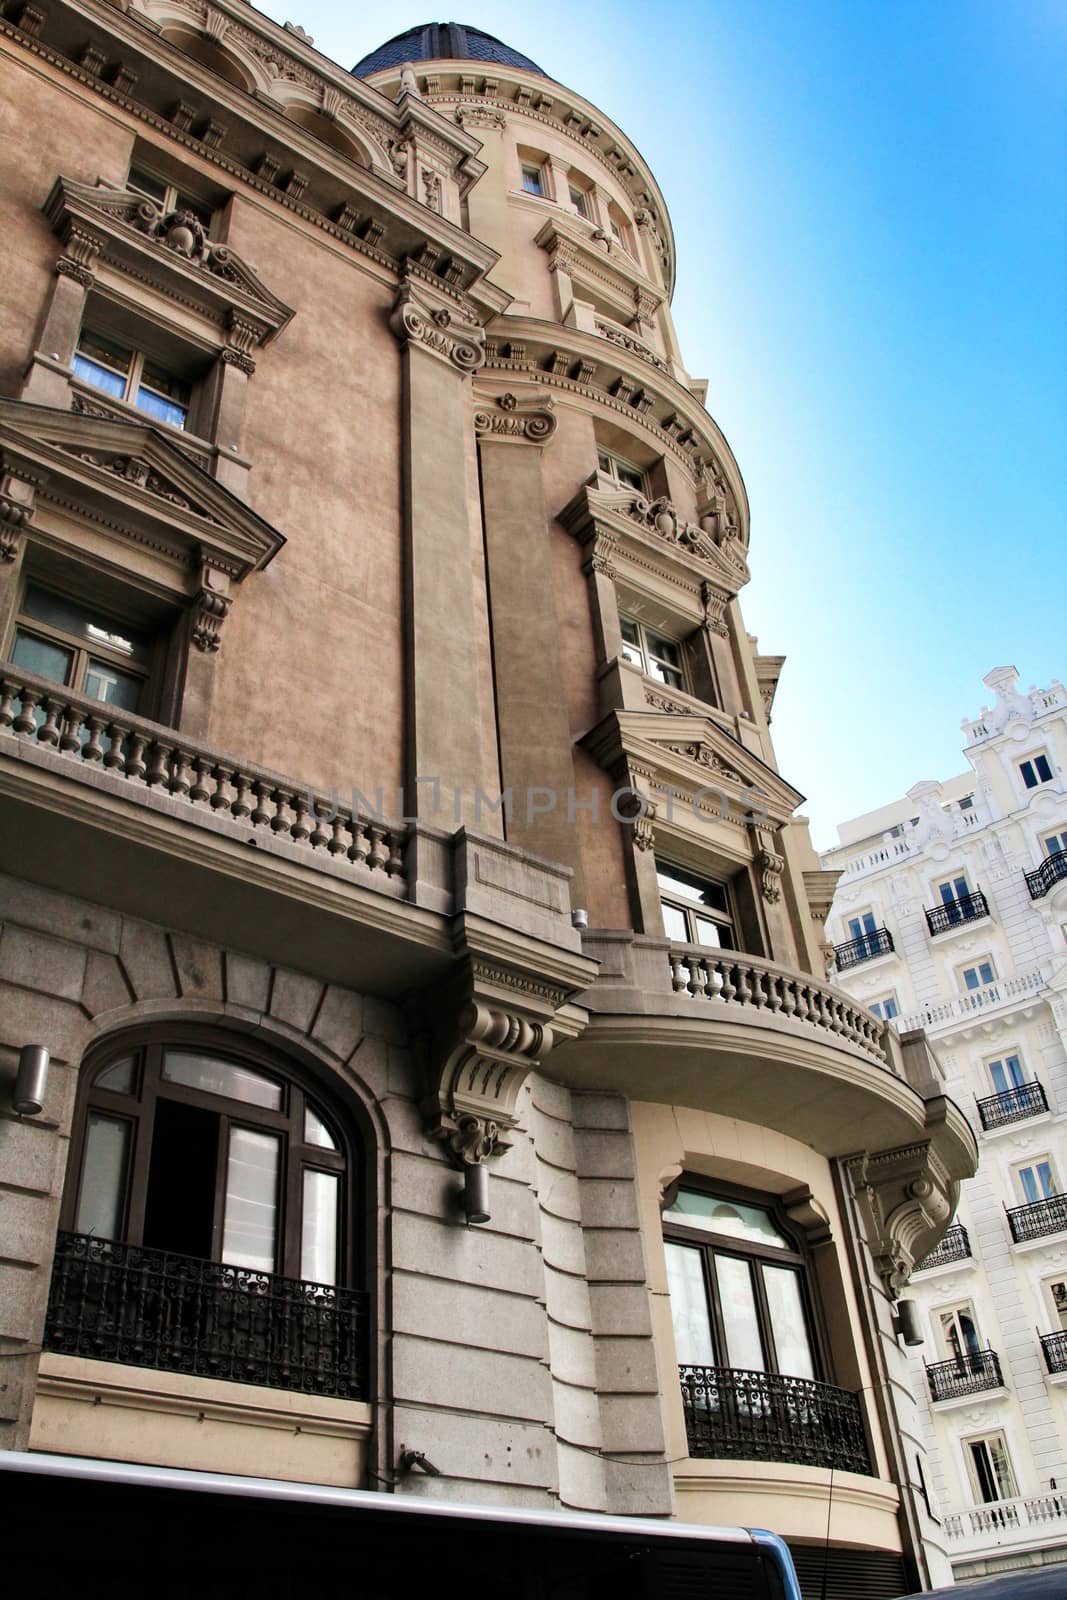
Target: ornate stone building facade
[[397, 870], [951, 915]]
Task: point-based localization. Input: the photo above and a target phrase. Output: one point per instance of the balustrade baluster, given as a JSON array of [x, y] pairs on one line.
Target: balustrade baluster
[[698, 978], [220, 800], [158, 772], [677, 966], [260, 817], [94, 750], [200, 790], [379, 852], [69, 740], [359, 849], [300, 828], [113, 755], [321, 833], [281, 821], [239, 805], [48, 732], [729, 988], [8, 696], [134, 765], [26, 722], [338, 845], [744, 992]]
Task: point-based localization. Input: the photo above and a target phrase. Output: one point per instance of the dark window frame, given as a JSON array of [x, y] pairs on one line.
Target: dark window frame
[[139, 1110], [798, 1258]]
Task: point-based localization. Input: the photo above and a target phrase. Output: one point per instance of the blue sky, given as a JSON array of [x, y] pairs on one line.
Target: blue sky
[[870, 206]]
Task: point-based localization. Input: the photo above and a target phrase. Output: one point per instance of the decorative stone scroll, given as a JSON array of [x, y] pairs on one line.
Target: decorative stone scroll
[[443, 329], [906, 1198], [477, 1075], [769, 864], [16, 510], [526, 419], [210, 607]]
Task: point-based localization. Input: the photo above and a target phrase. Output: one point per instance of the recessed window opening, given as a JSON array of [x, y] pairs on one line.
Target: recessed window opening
[[625, 474], [130, 375], [695, 910], [533, 179], [168, 196], [656, 655], [1036, 770], [83, 648]]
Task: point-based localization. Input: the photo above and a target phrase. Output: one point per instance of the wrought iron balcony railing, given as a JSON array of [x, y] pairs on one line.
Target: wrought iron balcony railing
[[1054, 1346], [1038, 1219], [731, 1414], [867, 946], [968, 908], [151, 1308], [954, 1246], [1012, 1105], [1051, 870], [965, 1374]]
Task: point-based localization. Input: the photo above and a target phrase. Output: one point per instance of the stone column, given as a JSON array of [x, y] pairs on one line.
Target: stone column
[[46, 382], [535, 737], [447, 759]]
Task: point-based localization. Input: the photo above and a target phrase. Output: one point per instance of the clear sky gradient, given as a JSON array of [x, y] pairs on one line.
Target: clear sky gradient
[[869, 199]]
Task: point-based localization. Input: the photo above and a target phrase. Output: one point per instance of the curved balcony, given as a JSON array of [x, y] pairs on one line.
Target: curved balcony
[[722, 1031], [964, 1375], [766, 1416], [1051, 871]]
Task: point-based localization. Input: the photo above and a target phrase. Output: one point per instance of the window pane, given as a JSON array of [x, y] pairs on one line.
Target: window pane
[[316, 1131], [47, 660], [147, 183], [222, 1077], [251, 1204], [163, 410], [531, 180], [788, 1324], [120, 1077], [674, 923], [632, 477], [738, 1305], [681, 886], [664, 649], [632, 654], [709, 933], [689, 1306], [100, 378], [103, 1181], [730, 1217], [71, 617], [104, 682], [318, 1241]]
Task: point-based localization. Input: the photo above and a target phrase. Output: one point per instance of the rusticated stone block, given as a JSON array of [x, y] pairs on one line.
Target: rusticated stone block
[[482, 1450], [247, 981], [608, 1203], [58, 914], [30, 1018], [603, 1153], [467, 1255], [294, 998], [146, 959], [339, 1024], [38, 962], [477, 1380], [384, 1021], [463, 1313], [105, 988], [199, 967]]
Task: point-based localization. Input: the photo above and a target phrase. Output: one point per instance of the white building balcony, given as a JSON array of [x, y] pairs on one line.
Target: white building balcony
[[976, 1005], [1029, 1522]]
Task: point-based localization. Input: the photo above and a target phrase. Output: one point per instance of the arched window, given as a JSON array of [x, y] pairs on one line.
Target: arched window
[[208, 1218]]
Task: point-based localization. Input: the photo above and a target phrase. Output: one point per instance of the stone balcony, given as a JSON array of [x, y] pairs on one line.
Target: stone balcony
[[1003, 1526], [976, 1006]]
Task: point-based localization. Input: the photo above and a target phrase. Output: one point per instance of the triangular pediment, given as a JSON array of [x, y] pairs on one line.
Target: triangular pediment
[[652, 530], [686, 751], [130, 477]]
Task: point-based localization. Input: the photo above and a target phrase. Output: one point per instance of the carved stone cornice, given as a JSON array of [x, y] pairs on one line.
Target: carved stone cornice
[[906, 1199], [168, 250], [420, 317], [516, 418]]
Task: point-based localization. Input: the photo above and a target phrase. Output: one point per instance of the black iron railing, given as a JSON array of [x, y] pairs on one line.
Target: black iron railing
[[968, 908], [151, 1308], [764, 1416], [1038, 1219], [954, 1246], [1051, 870], [878, 943], [965, 1374], [1012, 1105], [1055, 1347]]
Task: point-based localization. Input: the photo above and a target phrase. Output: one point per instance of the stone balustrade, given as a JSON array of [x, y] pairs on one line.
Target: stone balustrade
[[144, 756], [964, 1007], [728, 978], [1005, 1522]]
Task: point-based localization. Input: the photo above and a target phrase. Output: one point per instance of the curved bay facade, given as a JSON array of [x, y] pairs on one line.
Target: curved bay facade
[[397, 868]]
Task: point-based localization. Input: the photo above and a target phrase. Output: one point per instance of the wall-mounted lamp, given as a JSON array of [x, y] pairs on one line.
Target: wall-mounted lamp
[[476, 1192], [31, 1080], [410, 1459], [579, 918], [906, 1323]]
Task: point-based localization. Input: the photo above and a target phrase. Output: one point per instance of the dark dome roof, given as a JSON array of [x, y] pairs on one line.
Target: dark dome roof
[[443, 41]]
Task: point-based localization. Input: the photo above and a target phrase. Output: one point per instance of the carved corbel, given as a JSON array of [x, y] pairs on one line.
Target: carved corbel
[[477, 1066], [16, 510], [211, 604], [714, 602], [526, 419], [439, 328], [906, 1199], [769, 864], [82, 250]]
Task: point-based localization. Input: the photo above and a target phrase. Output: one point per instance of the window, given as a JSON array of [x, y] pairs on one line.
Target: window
[[1036, 1180], [620, 230], [533, 179], [967, 802], [694, 911], [1056, 1292], [213, 1153], [1054, 843], [740, 1296], [886, 1008], [81, 647], [656, 655], [167, 195], [864, 934], [990, 1470], [980, 975], [129, 375], [623, 473], [580, 201], [1006, 1074], [1036, 770], [954, 889], [957, 1331]]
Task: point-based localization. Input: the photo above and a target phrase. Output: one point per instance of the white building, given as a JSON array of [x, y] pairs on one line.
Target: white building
[[951, 915]]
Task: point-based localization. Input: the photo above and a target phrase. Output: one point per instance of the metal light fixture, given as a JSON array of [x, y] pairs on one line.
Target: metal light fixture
[[31, 1080], [580, 918], [476, 1192], [410, 1459], [906, 1323]]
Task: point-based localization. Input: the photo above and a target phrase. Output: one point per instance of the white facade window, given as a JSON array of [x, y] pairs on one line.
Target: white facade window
[[129, 375], [622, 472], [886, 1008], [1035, 770], [533, 179], [1054, 843], [1006, 1073], [954, 888], [990, 1470], [1036, 1180], [1056, 1295], [579, 201], [656, 655], [957, 1333], [978, 975]]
